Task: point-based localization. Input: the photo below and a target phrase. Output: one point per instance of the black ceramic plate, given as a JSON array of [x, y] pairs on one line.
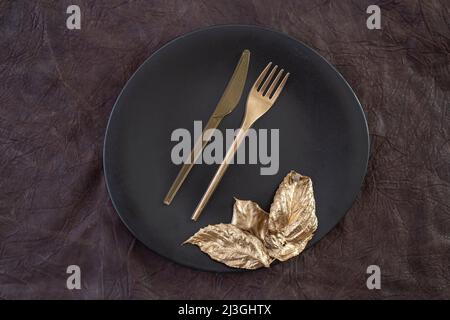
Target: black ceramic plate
[[323, 134]]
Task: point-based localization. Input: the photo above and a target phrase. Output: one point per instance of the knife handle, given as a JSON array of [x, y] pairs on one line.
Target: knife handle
[[219, 173], [192, 158]]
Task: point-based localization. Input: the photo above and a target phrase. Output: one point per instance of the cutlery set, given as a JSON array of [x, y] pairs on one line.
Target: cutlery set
[[261, 98]]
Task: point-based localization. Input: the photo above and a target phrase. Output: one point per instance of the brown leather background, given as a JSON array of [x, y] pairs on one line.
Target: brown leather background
[[57, 88]]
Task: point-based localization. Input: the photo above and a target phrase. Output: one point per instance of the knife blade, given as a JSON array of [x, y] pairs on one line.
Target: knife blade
[[227, 103]]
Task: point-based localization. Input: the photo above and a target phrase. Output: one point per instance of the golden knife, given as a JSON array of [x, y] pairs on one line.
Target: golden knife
[[226, 105]]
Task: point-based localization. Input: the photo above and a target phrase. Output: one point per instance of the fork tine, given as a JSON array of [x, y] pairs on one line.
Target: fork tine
[[274, 83], [261, 76], [267, 81], [280, 87]]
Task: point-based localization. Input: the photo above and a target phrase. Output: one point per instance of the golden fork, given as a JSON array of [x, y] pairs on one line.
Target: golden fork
[[259, 101]]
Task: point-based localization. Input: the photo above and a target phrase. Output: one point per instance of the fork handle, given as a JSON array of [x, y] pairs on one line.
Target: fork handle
[[220, 172]]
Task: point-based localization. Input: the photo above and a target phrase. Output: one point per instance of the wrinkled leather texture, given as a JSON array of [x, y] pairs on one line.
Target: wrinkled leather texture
[[58, 87]]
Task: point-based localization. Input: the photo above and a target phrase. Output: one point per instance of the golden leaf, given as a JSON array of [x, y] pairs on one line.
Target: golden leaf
[[254, 237], [248, 216], [232, 246], [292, 219]]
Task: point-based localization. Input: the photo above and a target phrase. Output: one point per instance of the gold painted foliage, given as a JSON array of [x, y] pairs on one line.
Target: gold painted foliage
[[255, 238], [230, 245]]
